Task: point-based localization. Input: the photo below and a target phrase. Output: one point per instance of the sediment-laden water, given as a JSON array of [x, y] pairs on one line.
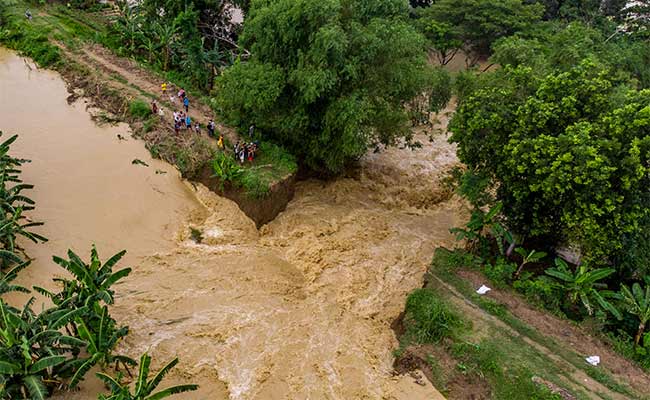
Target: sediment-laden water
[[300, 309]]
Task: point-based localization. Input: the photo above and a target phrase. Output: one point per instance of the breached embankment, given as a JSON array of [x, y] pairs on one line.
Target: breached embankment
[[300, 308]]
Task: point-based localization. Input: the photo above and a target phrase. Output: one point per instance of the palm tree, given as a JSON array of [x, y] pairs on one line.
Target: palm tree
[[637, 302], [583, 284]]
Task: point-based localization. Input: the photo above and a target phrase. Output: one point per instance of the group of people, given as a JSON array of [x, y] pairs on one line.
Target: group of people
[[183, 121], [245, 151]]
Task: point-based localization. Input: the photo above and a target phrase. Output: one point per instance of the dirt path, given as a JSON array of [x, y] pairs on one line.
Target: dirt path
[[146, 81], [572, 336]]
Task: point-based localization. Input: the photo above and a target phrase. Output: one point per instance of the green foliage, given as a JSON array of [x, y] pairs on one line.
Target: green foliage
[[33, 353], [19, 34], [568, 164], [139, 109], [12, 203], [101, 341], [144, 387], [541, 291], [335, 86], [479, 223], [583, 285], [225, 168], [474, 25], [450, 260], [429, 319], [272, 164], [88, 293], [528, 257], [489, 360], [637, 303], [500, 273]]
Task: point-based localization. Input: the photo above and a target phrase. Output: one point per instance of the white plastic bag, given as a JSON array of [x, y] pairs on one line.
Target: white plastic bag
[[483, 289]]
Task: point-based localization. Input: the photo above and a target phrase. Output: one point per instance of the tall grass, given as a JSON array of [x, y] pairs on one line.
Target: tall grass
[[139, 109], [30, 40], [429, 318]]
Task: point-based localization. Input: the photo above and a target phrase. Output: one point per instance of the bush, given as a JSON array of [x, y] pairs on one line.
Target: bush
[[541, 291], [139, 109], [449, 260], [225, 168], [429, 319], [501, 272]]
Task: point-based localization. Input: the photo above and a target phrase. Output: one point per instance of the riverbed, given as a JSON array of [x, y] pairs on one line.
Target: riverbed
[[299, 309]]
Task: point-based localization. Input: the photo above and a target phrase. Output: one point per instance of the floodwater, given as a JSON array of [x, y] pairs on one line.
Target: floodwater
[[300, 309], [86, 188]]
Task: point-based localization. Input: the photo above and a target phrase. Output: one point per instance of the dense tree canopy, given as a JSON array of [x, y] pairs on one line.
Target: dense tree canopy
[[326, 79], [473, 25], [569, 154]]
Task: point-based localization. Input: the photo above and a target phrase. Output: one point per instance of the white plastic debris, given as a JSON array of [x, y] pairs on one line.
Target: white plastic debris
[[593, 360], [483, 289]]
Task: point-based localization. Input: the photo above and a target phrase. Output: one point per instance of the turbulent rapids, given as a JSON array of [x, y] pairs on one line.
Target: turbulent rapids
[[298, 309]]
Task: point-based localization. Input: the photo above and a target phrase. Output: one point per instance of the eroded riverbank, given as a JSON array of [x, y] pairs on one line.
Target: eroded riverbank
[[299, 309]]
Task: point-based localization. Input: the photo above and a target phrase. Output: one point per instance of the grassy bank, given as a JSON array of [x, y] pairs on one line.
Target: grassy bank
[[470, 344]]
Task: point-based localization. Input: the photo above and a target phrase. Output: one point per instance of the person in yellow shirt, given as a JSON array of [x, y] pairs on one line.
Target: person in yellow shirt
[[220, 142], [164, 88]]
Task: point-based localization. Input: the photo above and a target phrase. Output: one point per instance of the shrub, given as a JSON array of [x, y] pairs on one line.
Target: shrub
[[225, 168], [501, 272], [449, 260], [139, 109], [541, 291], [428, 318]]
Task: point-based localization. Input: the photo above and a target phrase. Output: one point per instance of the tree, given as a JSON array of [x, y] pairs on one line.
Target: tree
[[33, 353], [444, 39], [637, 303], [476, 24], [583, 285], [326, 79], [568, 153], [166, 35]]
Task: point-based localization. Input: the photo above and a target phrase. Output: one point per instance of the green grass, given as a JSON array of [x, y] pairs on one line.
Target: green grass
[[271, 165], [30, 40], [429, 318], [515, 353], [139, 109]]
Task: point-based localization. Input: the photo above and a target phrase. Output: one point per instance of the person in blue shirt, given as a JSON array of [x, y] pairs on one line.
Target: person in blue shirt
[[186, 103], [188, 122]]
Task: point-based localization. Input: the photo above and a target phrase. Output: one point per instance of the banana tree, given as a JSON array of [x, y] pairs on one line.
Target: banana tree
[[583, 285], [12, 204], [91, 286], [527, 258], [167, 37], [6, 280], [100, 346], [33, 352], [144, 387], [637, 302]]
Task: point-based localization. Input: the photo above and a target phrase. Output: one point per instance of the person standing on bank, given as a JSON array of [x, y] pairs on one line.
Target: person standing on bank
[[186, 103]]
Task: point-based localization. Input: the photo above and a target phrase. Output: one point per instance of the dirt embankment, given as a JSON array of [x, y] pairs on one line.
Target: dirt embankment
[[111, 83]]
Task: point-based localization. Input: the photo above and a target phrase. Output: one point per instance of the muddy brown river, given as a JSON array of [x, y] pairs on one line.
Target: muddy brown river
[[299, 309]]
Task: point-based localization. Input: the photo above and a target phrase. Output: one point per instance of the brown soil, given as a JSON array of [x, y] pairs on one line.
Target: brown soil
[[446, 377]]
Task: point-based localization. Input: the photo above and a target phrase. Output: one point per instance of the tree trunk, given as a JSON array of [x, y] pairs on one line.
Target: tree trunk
[[637, 338]]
